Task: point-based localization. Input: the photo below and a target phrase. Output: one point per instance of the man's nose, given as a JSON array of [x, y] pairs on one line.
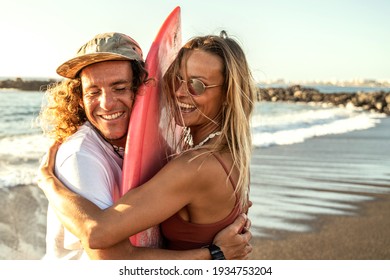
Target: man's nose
[[107, 100]]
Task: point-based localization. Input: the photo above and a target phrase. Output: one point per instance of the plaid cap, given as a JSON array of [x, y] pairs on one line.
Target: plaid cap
[[103, 47]]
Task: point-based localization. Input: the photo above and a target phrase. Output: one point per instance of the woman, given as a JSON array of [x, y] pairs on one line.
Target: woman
[[204, 187]]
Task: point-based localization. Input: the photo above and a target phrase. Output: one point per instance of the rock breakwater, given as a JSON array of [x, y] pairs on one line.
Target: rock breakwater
[[28, 85], [376, 101]]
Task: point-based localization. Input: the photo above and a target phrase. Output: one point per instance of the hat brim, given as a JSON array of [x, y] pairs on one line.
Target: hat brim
[[72, 67]]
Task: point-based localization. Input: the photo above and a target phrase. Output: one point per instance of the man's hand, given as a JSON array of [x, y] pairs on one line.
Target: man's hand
[[46, 168], [234, 239]]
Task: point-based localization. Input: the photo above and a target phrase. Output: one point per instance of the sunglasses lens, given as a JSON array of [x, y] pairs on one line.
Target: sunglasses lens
[[196, 87]]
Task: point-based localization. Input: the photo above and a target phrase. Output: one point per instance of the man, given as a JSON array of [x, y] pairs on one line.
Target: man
[[89, 112]]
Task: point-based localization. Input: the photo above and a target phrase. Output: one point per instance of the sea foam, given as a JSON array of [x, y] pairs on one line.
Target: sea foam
[[19, 159], [286, 124]]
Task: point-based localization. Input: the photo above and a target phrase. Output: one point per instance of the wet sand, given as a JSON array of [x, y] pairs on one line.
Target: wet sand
[[327, 198], [364, 236]]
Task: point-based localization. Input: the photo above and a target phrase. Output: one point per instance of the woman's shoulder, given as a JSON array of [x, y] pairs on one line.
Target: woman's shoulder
[[197, 162], [194, 156]]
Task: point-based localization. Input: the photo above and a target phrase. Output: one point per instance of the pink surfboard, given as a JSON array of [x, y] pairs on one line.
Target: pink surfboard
[[145, 152]]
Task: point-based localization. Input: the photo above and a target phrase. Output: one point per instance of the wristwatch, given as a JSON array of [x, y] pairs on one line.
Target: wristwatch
[[216, 252]]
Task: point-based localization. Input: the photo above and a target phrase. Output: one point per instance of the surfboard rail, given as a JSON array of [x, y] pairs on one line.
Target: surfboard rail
[[145, 152]]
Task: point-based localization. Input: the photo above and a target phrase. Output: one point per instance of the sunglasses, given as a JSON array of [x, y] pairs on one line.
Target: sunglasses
[[195, 87]]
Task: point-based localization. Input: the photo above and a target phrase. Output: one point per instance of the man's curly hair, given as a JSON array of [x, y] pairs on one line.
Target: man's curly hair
[[62, 115]]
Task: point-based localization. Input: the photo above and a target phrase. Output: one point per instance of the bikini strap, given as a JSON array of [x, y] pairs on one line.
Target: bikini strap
[[226, 170]]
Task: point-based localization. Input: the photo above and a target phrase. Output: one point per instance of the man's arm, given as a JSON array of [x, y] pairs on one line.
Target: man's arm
[[234, 240]]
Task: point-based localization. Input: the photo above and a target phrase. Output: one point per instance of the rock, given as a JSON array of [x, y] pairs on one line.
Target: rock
[[33, 85], [387, 99], [378, 101]]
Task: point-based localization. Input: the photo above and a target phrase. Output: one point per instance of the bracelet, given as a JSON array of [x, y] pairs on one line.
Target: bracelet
[[216, 252]]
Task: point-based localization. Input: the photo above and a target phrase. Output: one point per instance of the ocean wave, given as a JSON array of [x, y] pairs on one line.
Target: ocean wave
[[19, 159], [286, 126]]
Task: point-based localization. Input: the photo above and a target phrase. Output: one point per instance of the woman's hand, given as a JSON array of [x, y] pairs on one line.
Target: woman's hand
[[46, 168]]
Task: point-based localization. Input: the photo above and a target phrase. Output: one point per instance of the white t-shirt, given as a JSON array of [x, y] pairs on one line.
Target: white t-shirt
[[88, 165]]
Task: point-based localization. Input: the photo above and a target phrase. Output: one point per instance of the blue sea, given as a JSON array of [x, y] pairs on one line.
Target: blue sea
[[22, 144]]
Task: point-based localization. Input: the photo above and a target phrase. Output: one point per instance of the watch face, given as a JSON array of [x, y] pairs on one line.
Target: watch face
[[216, 252]]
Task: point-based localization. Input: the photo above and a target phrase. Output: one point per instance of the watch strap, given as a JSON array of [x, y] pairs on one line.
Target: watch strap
[[216, 252]]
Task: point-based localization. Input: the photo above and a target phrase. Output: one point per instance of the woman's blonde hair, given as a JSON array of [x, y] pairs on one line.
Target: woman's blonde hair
[[62, 114], [238, 102]]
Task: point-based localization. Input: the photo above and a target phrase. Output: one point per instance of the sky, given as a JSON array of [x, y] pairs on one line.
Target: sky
[[294, 40]]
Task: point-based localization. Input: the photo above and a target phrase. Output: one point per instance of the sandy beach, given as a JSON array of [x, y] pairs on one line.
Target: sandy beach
[[351, 171], [22, 223], [326, 198], [364, 236]]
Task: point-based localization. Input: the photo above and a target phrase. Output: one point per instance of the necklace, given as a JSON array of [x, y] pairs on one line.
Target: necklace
[[211, 136], [120, 151]]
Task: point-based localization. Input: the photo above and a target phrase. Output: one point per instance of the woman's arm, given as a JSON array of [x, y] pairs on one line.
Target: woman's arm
[[155, 201], [233, 241]]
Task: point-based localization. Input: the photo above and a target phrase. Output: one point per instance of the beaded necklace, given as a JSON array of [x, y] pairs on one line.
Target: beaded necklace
[[211, 136]]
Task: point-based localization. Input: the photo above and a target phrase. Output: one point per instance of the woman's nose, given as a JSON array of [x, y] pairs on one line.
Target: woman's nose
[[182, 88]]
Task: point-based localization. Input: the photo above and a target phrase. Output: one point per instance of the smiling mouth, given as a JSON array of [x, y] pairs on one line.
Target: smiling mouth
[[186, 107], [110, 117]]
